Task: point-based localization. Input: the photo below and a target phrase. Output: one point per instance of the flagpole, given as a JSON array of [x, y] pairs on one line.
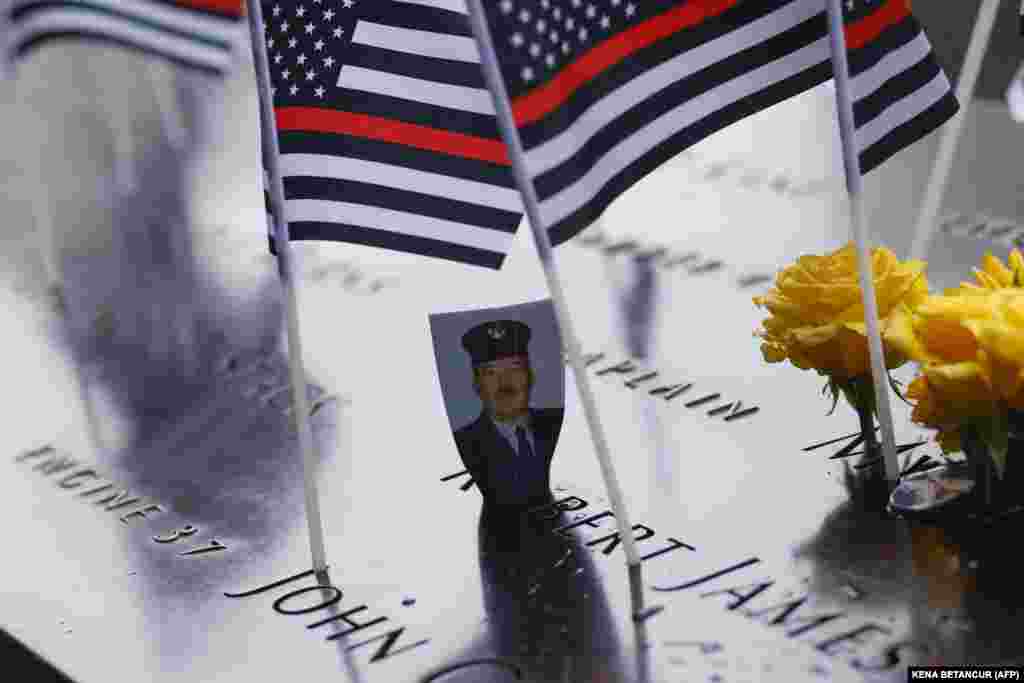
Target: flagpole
[[127, 322], [57, 301], [492, 75], [55, 296], [936, 188], [170, 115], [284, 261], [851, 162], [177, 136]]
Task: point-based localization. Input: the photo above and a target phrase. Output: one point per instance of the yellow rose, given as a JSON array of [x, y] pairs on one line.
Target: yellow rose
[[970, 344], [994, 274], [817, 316]]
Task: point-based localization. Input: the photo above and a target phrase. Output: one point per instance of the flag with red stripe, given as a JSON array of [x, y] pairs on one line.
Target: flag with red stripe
[[200, 34], [604, 91], [386, 130]]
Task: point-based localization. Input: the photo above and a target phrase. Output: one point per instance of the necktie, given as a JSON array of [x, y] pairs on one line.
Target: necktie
[[523, 445]]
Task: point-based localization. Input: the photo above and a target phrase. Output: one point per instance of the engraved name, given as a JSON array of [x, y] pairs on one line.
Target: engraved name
[[71, 475], [633, 376], [761, 599], [353, 620], [690, 262]]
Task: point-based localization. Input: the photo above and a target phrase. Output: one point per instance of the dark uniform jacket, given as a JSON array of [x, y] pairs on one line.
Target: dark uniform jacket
[[505, 479]]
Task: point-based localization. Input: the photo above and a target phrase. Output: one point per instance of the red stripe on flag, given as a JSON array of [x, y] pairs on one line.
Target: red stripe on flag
[[232, 7], [860, 33], [539, 102], [388, 130]]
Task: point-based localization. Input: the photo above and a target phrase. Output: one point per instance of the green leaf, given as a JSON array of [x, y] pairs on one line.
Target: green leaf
[[895, 385], [995, 432], [833, 388]]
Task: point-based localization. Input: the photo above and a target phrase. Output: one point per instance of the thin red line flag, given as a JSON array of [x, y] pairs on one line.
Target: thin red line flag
[[387, 133], [604, 91]]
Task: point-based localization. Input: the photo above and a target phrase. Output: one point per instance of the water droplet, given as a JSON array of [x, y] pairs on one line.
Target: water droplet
[[408, 602]]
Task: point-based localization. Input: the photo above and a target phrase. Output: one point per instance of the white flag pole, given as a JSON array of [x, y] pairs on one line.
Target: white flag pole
[[170, 115], [57, 300], [492, 74], [284, 260], [125, 171], [177, 136], [851, 162], [936, 188]]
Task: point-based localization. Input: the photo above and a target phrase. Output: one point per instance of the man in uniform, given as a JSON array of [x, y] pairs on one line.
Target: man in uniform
[[508, 448]]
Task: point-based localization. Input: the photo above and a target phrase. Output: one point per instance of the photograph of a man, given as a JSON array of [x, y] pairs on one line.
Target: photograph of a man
[[509, 446], [502, 379]]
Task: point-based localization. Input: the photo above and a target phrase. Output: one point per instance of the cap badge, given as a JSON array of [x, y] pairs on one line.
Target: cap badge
[[496, 332]]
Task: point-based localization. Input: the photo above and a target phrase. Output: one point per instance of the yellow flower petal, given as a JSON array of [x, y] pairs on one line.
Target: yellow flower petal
[[965, 382], [817, 317], [1000, 275], [1016, 263]]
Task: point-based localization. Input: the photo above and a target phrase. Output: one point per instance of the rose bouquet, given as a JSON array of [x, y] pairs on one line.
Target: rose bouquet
[[969, 345]]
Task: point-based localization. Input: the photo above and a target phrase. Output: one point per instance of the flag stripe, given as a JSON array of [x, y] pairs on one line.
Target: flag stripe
[[448, 71], [901, 85], [228, 9], [414, 203], [416, 89], [911, 49], [417, 42], [631, 173], [919, 126], [378, 128], [690, 72], [540, 101], [176, 21], [399, 222], [413, 180], [398, 155], [903, 110], [631, 148], [892, 38], [434, 23], [63, 22], [330, 229], [457, 6], [407, 111], [860, 33]]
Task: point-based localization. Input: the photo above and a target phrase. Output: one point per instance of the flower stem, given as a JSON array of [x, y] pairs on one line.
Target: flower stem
[[867, 430]]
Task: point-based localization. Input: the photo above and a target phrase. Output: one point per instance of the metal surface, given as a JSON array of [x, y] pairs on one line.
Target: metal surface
[[804, 581]]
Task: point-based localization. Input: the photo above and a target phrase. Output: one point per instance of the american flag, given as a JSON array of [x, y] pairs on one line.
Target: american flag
[[604, 91], [387, 132], [200, 34]]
